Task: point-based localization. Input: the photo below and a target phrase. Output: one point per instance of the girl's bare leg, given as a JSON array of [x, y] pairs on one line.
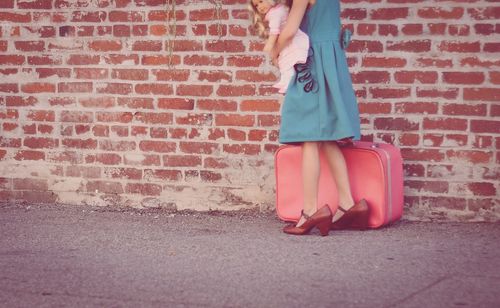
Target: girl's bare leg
[[338, 168], [310, 178]]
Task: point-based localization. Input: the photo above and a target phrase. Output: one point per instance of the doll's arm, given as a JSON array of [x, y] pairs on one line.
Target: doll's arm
[[271, 40], [297, 12]]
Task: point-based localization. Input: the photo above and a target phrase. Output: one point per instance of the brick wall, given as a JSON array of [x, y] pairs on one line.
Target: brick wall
[[94, 109]]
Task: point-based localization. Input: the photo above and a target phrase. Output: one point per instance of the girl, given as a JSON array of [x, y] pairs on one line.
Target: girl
[[274, 15], [320, 109]]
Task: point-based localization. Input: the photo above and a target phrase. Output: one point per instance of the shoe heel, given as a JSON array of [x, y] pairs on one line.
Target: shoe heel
[[324, 227]]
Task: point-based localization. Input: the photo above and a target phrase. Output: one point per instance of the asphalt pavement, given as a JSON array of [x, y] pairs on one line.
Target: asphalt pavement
[[70, 256]]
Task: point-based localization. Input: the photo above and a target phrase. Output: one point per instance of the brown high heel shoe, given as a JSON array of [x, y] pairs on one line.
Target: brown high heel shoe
[[322, 220], [354, 218]]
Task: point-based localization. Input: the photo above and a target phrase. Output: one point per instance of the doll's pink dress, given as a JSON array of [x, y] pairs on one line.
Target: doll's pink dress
[[293, 53]]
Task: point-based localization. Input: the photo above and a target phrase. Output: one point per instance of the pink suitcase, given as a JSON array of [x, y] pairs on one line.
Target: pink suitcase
[[375, 173]]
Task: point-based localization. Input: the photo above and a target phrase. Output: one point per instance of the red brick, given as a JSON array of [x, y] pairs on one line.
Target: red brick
[[491, 47], [441, 13], [77, 116], [412, 29], [138, 102], [91, 73], [9, 88], [371, 77], [389, 13], [198, 147], [414, 76], [121, 59], [216, 105], [486, 29], [160, 174], [437, 28], [105, 45], [225, 46], [482, 94], [494, 77], [83, 171], [210, 176], [427, 186], [410, 46], [49, 72], [147, 46], [383, 62], [475, 157], [396, 124], [416, 170], [445, 202], [233, 90], [245, 61], [433, 62], [247, 149], [216, 133], [157, 146], [483, 142], [143, 189], [459, 30], [115, 88], [484, 126], [30, 184], [449, 93], [119, 146], [234, 120], [215, 76], [123, 173], [365, 46], [120, 131], [161, 60], [80, 143], [40, 143], [216, 163], [41, 115], [465, 109], [235, 134], [181, 160], [141, 160], [262, 105], [176, 103], [15, 17], [171, 75], [97, 102], [207, 15], [390, 92], [202, 60], [28, 46], [104, 187], [83, 59], [482, 189], [29, 155], [492, 12], [353, 14], [74, 87], [463, 77], [445, 124], [416, 107], [366, 29], [194, 90], [412, 154], [465, 47], [203, 119], [7, 4], [268, 120], [38, 87], [154, 117], [386, 30], [476, 205]]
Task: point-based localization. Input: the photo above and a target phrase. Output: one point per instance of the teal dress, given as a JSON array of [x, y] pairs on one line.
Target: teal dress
[[320, 103]]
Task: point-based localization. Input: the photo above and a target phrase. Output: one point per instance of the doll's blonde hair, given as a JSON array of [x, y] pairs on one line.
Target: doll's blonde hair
[[258, 19]]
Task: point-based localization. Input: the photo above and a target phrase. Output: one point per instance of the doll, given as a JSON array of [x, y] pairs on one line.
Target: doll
[[269, 18]]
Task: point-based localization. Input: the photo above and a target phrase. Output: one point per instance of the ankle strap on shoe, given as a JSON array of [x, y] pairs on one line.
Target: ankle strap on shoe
[[304, 215]]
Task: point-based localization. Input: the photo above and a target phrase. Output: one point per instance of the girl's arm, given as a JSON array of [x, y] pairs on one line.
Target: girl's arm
[[271, 41], [295, 16]]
